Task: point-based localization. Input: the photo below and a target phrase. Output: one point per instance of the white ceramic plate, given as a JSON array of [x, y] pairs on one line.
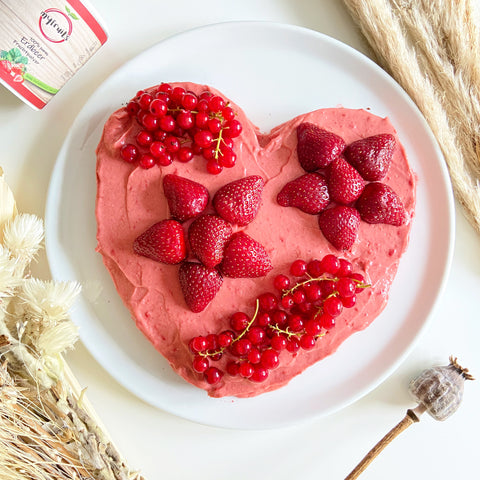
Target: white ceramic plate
[[274, 72]]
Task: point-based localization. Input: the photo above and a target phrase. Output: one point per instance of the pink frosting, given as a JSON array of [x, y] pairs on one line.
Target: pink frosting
[[130, 199]]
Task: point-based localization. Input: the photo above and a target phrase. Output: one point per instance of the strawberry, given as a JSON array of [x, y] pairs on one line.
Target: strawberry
[[199, 285], [371, 156], [207, 236], [6, 65], [163, 242], [380, 204], [344, 183], [238, 202], [244, 257], [317, 148], [308, 193], [186, 198], [339, 226]]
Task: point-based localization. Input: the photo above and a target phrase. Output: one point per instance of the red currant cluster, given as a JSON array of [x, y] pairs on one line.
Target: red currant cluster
[[178, 124], [303, 311]]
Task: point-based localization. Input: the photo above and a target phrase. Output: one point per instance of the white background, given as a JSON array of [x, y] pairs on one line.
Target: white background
[[166, 447]]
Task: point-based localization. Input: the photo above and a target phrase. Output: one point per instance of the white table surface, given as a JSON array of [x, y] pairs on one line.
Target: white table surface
[[163, 446]]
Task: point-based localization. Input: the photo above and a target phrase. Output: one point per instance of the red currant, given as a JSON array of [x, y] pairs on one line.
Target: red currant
[[349, 302], [239, 321], [225, 338], [293, 345], [307, 342], [203, 138], [295, 323], [242, 347], [189, 101], [144, 138], [228, 159], [256, 335], [254, 356], [278, 342], [333, 306], [298, 268], [158, 107], [281, 282], [326, 321], [213, 375], [246, 370], [185, 120], [172, 144], [270, 359], [313, 291], [213, 167], [146, 161], [216, 103], [167, 123], [132, 108], [330, 264], [165, 88], [313, 327], [314, 268], [164, 159], [260, 374], [267, 301], [346, 287], [157, 149], [145, 100], [345, 269], [200, 364], [177, 95], [264, 319], [198, 344], [185, 154], [129, 152], [232, 368], [299, 296], [228, 114], [233, 129]]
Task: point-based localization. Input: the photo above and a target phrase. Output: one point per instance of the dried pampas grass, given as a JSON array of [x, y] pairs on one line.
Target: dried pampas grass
[[48, 430], [432, 48]]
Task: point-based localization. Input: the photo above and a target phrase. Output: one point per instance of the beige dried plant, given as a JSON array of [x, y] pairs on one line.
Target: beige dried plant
[[48, 429], [432, 48]]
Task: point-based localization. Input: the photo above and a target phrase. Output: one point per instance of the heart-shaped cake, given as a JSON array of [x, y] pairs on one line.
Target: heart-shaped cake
[[246, 257]]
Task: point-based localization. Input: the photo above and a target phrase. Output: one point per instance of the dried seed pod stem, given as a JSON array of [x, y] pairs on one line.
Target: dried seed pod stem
[[438, 391]]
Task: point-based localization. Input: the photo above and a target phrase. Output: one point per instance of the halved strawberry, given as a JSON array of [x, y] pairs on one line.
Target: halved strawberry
[[199, 285], [207, 236], [345, 184], [186, 198], [317, 148], [238, 202], [244, 257], [339, 226], [163, 242], [308, 193], [380, 204], [371, 156]]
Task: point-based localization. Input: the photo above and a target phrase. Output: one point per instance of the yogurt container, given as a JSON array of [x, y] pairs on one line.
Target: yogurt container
[[43, 43]]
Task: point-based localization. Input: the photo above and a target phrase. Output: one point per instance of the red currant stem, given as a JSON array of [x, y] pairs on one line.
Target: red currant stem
[[360, 284], [290, 334], [310, 279], [236, 339], [219, 141], [305, 282]]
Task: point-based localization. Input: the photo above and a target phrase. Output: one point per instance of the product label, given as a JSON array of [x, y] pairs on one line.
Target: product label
[[43, 43]]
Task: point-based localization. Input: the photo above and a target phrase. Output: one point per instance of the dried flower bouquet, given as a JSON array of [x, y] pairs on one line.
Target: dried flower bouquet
[[48, 429]]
